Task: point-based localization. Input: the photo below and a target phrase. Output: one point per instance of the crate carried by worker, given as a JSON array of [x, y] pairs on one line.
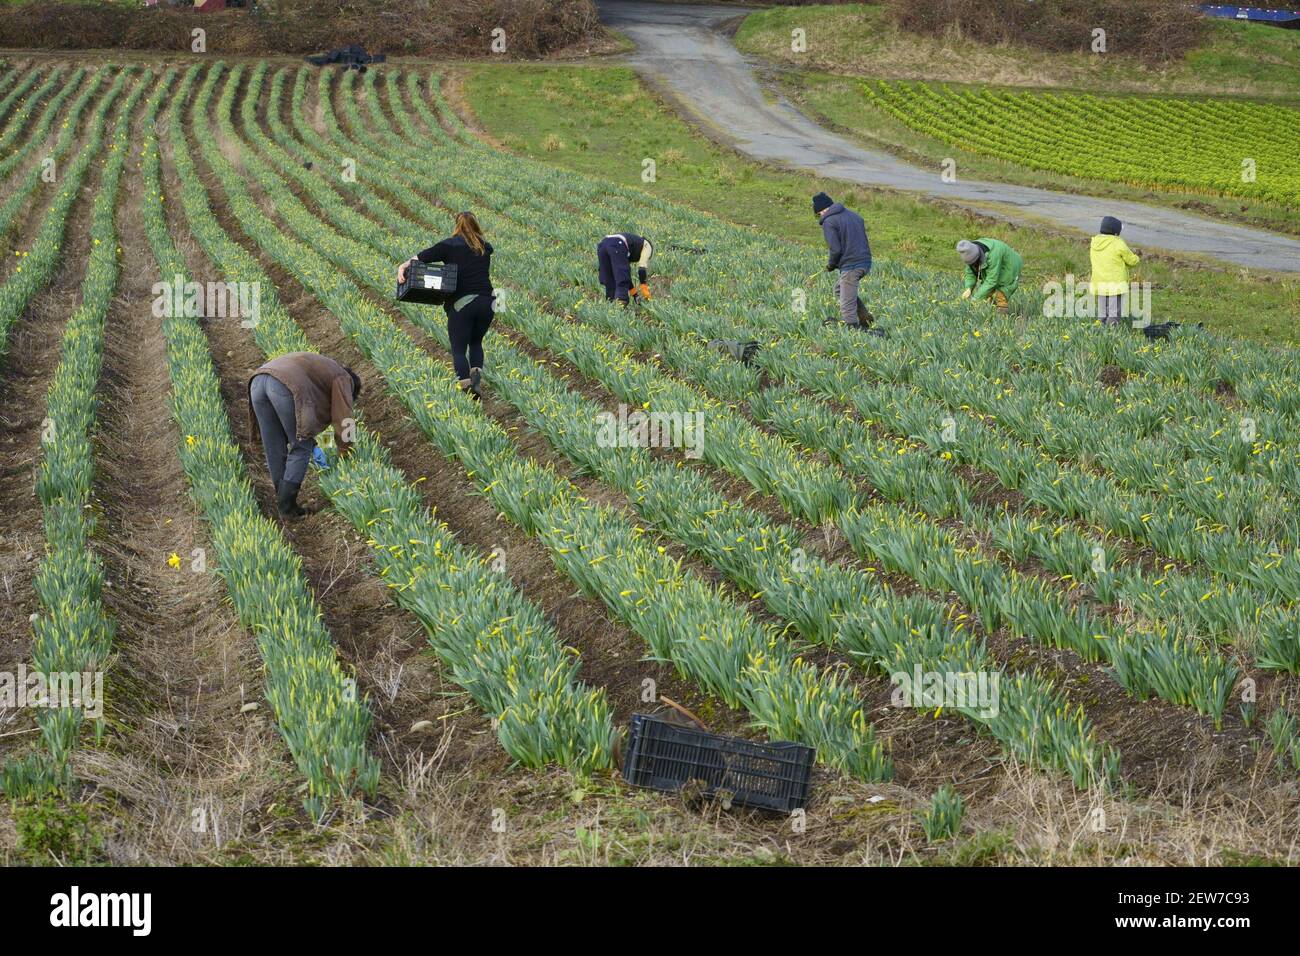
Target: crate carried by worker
[[433, 284]]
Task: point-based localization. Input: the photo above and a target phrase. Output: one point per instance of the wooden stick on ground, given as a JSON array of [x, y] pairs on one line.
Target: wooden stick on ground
[[682, 710]]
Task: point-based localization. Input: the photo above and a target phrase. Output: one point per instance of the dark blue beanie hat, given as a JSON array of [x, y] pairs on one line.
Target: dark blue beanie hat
[[822, 201], [1110, 226]]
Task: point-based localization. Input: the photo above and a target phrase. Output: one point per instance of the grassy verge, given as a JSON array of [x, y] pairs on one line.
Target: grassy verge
[[602, 121], [1242, 58], [838, 102]]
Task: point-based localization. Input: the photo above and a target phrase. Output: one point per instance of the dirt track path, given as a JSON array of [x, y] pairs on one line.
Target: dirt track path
[[682, 49]]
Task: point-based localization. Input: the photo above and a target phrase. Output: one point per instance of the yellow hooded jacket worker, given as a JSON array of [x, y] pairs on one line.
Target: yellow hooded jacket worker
[[1111, 259]]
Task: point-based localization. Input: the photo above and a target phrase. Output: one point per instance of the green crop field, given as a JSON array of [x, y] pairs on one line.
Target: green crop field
[[1211, 146], [438, 665]]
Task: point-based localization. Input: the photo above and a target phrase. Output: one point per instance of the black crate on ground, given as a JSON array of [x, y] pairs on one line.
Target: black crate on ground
[[665, 756], [432, 284]]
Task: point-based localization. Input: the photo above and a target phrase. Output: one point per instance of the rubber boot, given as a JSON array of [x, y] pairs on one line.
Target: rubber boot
[[476, 382], [286, 499], [467, 386]]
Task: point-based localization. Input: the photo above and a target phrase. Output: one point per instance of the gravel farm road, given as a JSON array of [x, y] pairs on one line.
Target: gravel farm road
[[682, 49]]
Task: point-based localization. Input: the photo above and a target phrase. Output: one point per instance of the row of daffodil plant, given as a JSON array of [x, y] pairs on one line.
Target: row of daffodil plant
[[1201, 680], [317, 709], [72, 633], [35, 265], [38, 174], [494, 642], [758, 554], [16, 91], [20, 108], [707, 634]]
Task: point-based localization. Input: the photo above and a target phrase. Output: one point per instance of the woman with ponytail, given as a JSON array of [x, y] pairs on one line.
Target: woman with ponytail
[[469, 316]]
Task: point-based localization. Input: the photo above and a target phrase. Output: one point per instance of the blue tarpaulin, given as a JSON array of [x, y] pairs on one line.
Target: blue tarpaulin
[[1286, 18]]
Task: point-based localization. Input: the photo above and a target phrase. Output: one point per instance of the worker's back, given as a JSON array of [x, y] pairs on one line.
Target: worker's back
[[846, 237], [1001, 266], [1111, 258], [322, 389]]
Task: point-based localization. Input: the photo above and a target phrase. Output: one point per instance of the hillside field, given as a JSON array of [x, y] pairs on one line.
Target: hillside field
[[437, 666], [1177, 133]]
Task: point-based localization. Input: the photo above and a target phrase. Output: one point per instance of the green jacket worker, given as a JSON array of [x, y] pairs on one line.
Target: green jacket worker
[[992, 271]]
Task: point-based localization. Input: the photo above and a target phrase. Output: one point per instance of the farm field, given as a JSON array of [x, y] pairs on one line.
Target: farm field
[[914, 97], [436, 667], [1212, 146]]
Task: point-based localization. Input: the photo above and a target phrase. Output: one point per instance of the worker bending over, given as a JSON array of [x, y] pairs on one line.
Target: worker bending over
[[292, 399], [615, 255], [992, 271], [850, 253]]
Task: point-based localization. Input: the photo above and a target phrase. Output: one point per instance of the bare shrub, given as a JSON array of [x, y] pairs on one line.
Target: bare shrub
[[416, 27], [1153, 30]]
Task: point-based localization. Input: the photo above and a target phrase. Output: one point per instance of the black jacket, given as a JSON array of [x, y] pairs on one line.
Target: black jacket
[[635, 245], [473, 271]]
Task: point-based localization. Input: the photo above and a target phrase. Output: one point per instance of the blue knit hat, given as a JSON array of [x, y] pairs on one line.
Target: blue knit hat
[[822, 201], [1110, 226]]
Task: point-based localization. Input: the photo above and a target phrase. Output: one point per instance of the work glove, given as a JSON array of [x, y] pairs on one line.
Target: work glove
[[318, 456], [829, 267], [966, 294], [645, 292]]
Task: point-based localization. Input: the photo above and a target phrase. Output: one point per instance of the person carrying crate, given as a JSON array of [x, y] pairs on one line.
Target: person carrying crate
[[992, 271], [469, 315], [291, 400], [614, 257]]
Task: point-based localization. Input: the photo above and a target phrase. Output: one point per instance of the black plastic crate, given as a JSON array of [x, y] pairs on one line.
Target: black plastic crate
[[666, 756], [433, 284]]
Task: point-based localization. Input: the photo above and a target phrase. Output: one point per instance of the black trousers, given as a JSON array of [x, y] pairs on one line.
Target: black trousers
[[615, 271], [465, 329]]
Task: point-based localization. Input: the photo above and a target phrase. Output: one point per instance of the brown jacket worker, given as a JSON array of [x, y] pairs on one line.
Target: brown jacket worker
[[292, 399]]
